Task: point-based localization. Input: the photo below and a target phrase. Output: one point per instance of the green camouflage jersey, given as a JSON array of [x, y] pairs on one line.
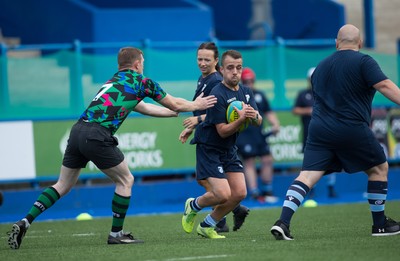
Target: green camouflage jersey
[[119, 96]]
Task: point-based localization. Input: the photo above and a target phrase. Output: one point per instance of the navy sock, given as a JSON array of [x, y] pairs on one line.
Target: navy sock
[[208, 222], [222, 222], [195, 206], [377, 192], [236, 209], [294, 197]]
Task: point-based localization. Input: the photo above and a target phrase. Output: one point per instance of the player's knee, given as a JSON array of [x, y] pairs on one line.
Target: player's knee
[[239, 195], [382, 170], [379, 172], [125, 180], [222, 196], [130, 180]]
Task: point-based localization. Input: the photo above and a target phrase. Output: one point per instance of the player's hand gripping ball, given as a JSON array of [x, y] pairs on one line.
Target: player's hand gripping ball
[[232, 115]]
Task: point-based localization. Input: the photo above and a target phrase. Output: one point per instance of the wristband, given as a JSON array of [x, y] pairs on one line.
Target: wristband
[[199, 120]]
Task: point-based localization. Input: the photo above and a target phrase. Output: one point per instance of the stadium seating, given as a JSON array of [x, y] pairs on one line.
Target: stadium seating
[[62, 21]]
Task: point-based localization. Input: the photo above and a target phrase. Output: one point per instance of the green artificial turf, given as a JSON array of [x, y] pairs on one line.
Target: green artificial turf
[[332, 232]]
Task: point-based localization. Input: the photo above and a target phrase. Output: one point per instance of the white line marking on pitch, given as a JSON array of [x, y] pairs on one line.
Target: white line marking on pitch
[[193, 258], [42, 236], [83, 235]]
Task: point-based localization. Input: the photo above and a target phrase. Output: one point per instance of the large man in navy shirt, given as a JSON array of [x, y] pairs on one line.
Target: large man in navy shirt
[[339, 137]]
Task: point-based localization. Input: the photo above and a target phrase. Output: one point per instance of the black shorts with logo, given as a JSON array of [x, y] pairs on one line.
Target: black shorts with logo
[[91, 142]]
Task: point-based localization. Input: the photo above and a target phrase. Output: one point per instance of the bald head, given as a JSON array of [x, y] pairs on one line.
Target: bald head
[[348, 37]]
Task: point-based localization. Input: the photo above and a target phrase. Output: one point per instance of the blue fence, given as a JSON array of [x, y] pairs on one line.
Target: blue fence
[[280, 66]]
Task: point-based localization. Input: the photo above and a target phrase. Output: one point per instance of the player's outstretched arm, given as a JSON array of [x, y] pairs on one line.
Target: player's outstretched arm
[[389, 89], [180, 105], [154, 110]]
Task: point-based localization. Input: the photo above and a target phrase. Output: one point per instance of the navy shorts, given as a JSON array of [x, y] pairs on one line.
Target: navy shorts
[[351, 148], [91, 142], [215, 162]]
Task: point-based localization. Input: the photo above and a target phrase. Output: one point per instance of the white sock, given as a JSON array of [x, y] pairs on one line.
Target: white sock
[[27, 224], [117, 234]]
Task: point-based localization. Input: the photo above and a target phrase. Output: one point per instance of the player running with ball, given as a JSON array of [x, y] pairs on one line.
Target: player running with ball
[[216, 157]]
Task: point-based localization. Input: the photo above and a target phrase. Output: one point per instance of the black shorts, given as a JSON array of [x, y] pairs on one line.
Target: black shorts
[[215, 162], [91, 142]]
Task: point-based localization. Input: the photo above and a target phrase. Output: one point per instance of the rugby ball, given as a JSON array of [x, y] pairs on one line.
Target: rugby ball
[[232, 115]]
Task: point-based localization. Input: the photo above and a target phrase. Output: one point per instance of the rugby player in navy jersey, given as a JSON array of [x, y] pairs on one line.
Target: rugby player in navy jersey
[[207, 61], [339, 137], [92, 139], [216, 153]]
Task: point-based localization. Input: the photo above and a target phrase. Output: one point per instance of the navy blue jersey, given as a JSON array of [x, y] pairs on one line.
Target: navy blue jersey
[[305, 99], [339, 134], [206, 132], [205, 85], [342, 87]]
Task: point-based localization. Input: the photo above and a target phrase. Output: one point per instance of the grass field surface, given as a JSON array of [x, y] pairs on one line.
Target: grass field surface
[[329, 232]]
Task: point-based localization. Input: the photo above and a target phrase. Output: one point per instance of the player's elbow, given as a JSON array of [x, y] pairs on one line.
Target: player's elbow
[[175, 107]]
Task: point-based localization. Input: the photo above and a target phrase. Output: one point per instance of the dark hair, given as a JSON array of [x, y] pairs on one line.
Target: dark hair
[[232, 53], [127, 56], [212, 47]]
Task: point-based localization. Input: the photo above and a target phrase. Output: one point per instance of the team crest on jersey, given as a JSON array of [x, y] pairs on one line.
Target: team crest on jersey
[[247, 98], [220, 169], [204, 86]]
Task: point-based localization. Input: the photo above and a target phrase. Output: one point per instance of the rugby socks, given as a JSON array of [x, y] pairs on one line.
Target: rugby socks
[[236, 209], [222, 222], [208, 222], [195, 205], [45, 200], [377, 192], [294, 197], [120, 205]]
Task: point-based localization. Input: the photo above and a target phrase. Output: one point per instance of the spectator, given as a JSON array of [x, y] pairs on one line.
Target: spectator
[[252, 145]]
